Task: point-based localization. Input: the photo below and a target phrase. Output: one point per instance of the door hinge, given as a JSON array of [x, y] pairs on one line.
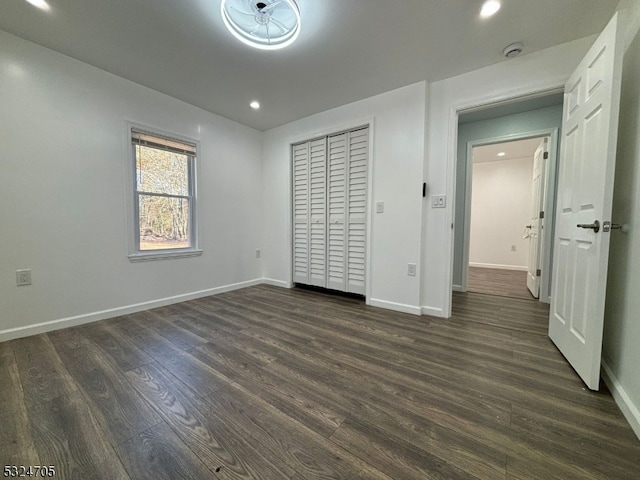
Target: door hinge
[[545, 156], [541, 215], [538, 272]]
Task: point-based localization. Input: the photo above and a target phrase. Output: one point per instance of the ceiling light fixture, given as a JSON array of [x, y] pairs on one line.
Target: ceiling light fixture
[[255, 105], [501, 154], [267, 25], [489, 8], [41, 4]]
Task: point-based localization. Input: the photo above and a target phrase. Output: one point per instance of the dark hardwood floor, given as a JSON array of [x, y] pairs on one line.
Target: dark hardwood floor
[[269, 383], [500, 282]]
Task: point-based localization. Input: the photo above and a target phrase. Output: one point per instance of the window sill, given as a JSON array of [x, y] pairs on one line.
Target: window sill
[[164, 255]]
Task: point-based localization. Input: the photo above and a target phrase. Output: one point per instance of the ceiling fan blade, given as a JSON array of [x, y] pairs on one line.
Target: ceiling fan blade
[[271, 6], [279, 24]]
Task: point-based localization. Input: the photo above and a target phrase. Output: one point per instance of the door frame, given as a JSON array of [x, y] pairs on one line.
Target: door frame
[[479, 102], [550, 181]]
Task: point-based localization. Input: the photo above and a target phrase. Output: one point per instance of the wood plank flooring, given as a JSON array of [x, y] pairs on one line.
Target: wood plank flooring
[[500, 282], [269, 383]]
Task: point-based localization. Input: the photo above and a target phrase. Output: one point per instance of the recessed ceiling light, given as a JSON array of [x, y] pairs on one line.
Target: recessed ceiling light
[[255, 105], [502, 154], [267, 25], [489, 8], [41, 4]]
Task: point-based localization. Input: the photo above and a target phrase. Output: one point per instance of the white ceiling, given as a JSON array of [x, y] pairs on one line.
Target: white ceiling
[[513, 150], [347, 50]]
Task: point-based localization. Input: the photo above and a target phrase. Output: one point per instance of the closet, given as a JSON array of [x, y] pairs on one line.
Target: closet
[[330, 210]]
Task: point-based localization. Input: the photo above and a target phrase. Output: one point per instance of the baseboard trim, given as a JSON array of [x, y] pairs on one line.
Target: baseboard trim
[[277, 283], [51, 325], [630, 411], [499, 266], [398, 307], [433, 311]]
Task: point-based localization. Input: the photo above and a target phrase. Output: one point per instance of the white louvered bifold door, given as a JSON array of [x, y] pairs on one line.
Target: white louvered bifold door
[[318, 207], [357, 156], [336, 278], [301, 196], [330, 211]]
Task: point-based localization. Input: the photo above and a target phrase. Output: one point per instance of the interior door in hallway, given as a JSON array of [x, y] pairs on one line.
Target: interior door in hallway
[[534, 263]]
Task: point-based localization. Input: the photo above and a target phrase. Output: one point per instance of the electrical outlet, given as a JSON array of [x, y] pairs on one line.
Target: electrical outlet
[[23, 277], [438, 201], [411, 269], [379, 207], [257, 253]]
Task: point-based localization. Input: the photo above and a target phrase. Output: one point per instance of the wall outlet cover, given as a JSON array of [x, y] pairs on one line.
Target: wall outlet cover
[[23, 277], [439, 201]]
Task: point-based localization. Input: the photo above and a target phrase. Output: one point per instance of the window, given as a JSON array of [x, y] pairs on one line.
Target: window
[[164, 196]]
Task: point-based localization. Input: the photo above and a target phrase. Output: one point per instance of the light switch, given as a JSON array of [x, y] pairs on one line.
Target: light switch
[[379, 207]]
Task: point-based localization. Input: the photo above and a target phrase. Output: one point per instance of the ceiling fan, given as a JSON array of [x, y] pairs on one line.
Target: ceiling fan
[[267, 25]]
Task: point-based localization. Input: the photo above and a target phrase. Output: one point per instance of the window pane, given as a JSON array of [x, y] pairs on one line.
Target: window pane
[[164, 222], [159, 171]]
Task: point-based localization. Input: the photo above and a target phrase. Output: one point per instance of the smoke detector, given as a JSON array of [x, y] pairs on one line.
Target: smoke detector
[[513, 50]]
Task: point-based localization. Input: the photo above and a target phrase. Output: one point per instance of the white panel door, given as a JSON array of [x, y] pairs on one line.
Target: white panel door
[[301, 206], [358, 154], [337, 204], [585, 191], [533, 264], [317, 211]]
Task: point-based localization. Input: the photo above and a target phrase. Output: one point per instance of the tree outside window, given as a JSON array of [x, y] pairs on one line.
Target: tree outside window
[[164, 192]]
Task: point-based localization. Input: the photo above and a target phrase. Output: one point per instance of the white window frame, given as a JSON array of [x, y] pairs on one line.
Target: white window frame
[[135, 254]]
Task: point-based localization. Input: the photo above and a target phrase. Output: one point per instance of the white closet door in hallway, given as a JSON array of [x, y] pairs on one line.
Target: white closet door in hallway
[[329, 210]]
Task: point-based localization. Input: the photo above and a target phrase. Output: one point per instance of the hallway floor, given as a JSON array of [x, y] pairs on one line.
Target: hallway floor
[[494, 281]]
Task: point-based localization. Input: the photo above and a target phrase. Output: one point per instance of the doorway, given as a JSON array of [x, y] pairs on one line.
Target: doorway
[[502, 124], [506, 196]]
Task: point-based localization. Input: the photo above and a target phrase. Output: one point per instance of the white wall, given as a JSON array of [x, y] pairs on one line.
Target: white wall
[[398, 139], [500, 208], [621, 354], [539, 71], [63, 189]]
